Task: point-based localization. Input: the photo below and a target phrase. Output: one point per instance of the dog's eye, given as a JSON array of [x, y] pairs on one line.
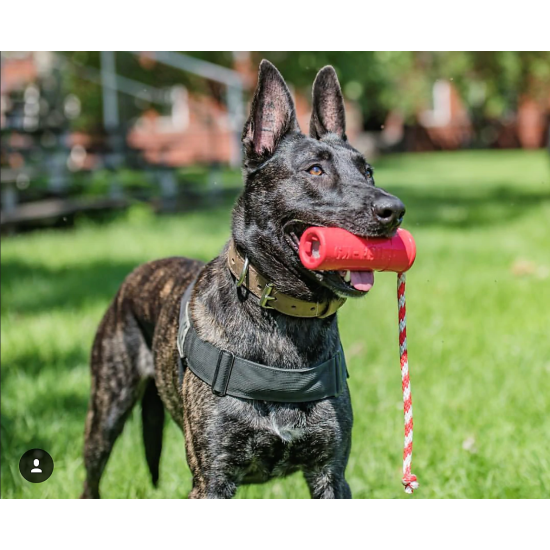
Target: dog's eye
[[316, 170], [368, 172]]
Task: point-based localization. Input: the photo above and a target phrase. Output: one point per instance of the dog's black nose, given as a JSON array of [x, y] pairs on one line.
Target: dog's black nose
[[389, 211]]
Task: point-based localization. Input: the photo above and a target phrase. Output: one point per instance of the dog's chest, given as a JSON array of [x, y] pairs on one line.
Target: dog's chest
[[273, 442], [288, 425], [274, 423]]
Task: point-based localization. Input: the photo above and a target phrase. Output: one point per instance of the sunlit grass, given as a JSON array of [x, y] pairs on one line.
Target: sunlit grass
[[478, 299]]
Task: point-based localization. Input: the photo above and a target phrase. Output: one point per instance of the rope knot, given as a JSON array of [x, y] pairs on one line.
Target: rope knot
[[410, 483]]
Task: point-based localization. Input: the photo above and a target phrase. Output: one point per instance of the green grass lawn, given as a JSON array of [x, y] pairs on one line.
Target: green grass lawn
[[478, 326]]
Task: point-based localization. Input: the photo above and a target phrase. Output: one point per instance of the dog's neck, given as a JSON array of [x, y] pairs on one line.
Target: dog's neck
[[250, 278], [264, 245], [233, 320]]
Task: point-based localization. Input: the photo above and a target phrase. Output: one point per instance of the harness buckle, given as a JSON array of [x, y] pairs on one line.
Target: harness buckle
[[222, 373], [265, 298]]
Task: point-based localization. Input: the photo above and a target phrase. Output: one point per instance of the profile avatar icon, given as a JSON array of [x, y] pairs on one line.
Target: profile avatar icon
[[36, 465], [36, 469]]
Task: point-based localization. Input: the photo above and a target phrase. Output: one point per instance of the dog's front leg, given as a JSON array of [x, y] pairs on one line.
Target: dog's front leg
[[327, 483], [212, 477]]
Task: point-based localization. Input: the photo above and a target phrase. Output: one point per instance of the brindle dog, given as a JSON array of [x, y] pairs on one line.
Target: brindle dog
[[291, 181]]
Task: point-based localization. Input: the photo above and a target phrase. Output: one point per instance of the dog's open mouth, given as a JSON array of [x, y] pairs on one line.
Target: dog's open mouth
[[345, 283]]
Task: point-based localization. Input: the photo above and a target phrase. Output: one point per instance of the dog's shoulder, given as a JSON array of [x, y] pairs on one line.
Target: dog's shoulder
[[159, 273], [156, 284]]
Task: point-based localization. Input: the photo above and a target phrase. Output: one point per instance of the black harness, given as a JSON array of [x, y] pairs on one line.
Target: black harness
[[228, 374]]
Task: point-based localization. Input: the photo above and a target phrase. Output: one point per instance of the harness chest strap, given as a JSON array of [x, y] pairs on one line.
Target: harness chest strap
[[270, 297], [228, 374]]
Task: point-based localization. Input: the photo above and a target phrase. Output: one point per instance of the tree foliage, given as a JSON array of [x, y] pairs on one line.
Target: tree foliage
[[490, 83]]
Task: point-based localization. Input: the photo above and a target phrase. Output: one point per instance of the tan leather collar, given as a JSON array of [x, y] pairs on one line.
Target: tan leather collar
[[270, 298]]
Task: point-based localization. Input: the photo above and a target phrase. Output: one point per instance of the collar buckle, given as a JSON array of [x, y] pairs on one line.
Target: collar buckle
[[265, 297]]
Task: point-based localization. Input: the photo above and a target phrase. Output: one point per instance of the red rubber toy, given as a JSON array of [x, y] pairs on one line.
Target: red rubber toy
[[331, 248]]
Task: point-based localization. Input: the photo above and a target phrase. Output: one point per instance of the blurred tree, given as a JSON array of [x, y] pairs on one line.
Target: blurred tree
[[378, 81], [490, 83], [81, 66]]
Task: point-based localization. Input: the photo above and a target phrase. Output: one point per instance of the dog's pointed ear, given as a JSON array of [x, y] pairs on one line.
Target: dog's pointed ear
[[272, 114], [329, 115]]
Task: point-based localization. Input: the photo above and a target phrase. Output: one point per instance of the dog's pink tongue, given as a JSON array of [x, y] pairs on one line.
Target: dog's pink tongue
[[362, 280]]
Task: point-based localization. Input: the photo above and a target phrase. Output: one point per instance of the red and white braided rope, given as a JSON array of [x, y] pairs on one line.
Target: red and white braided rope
[[409, 479]]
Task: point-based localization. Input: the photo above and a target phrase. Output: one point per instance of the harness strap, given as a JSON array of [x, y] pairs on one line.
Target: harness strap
[[228, 374]]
